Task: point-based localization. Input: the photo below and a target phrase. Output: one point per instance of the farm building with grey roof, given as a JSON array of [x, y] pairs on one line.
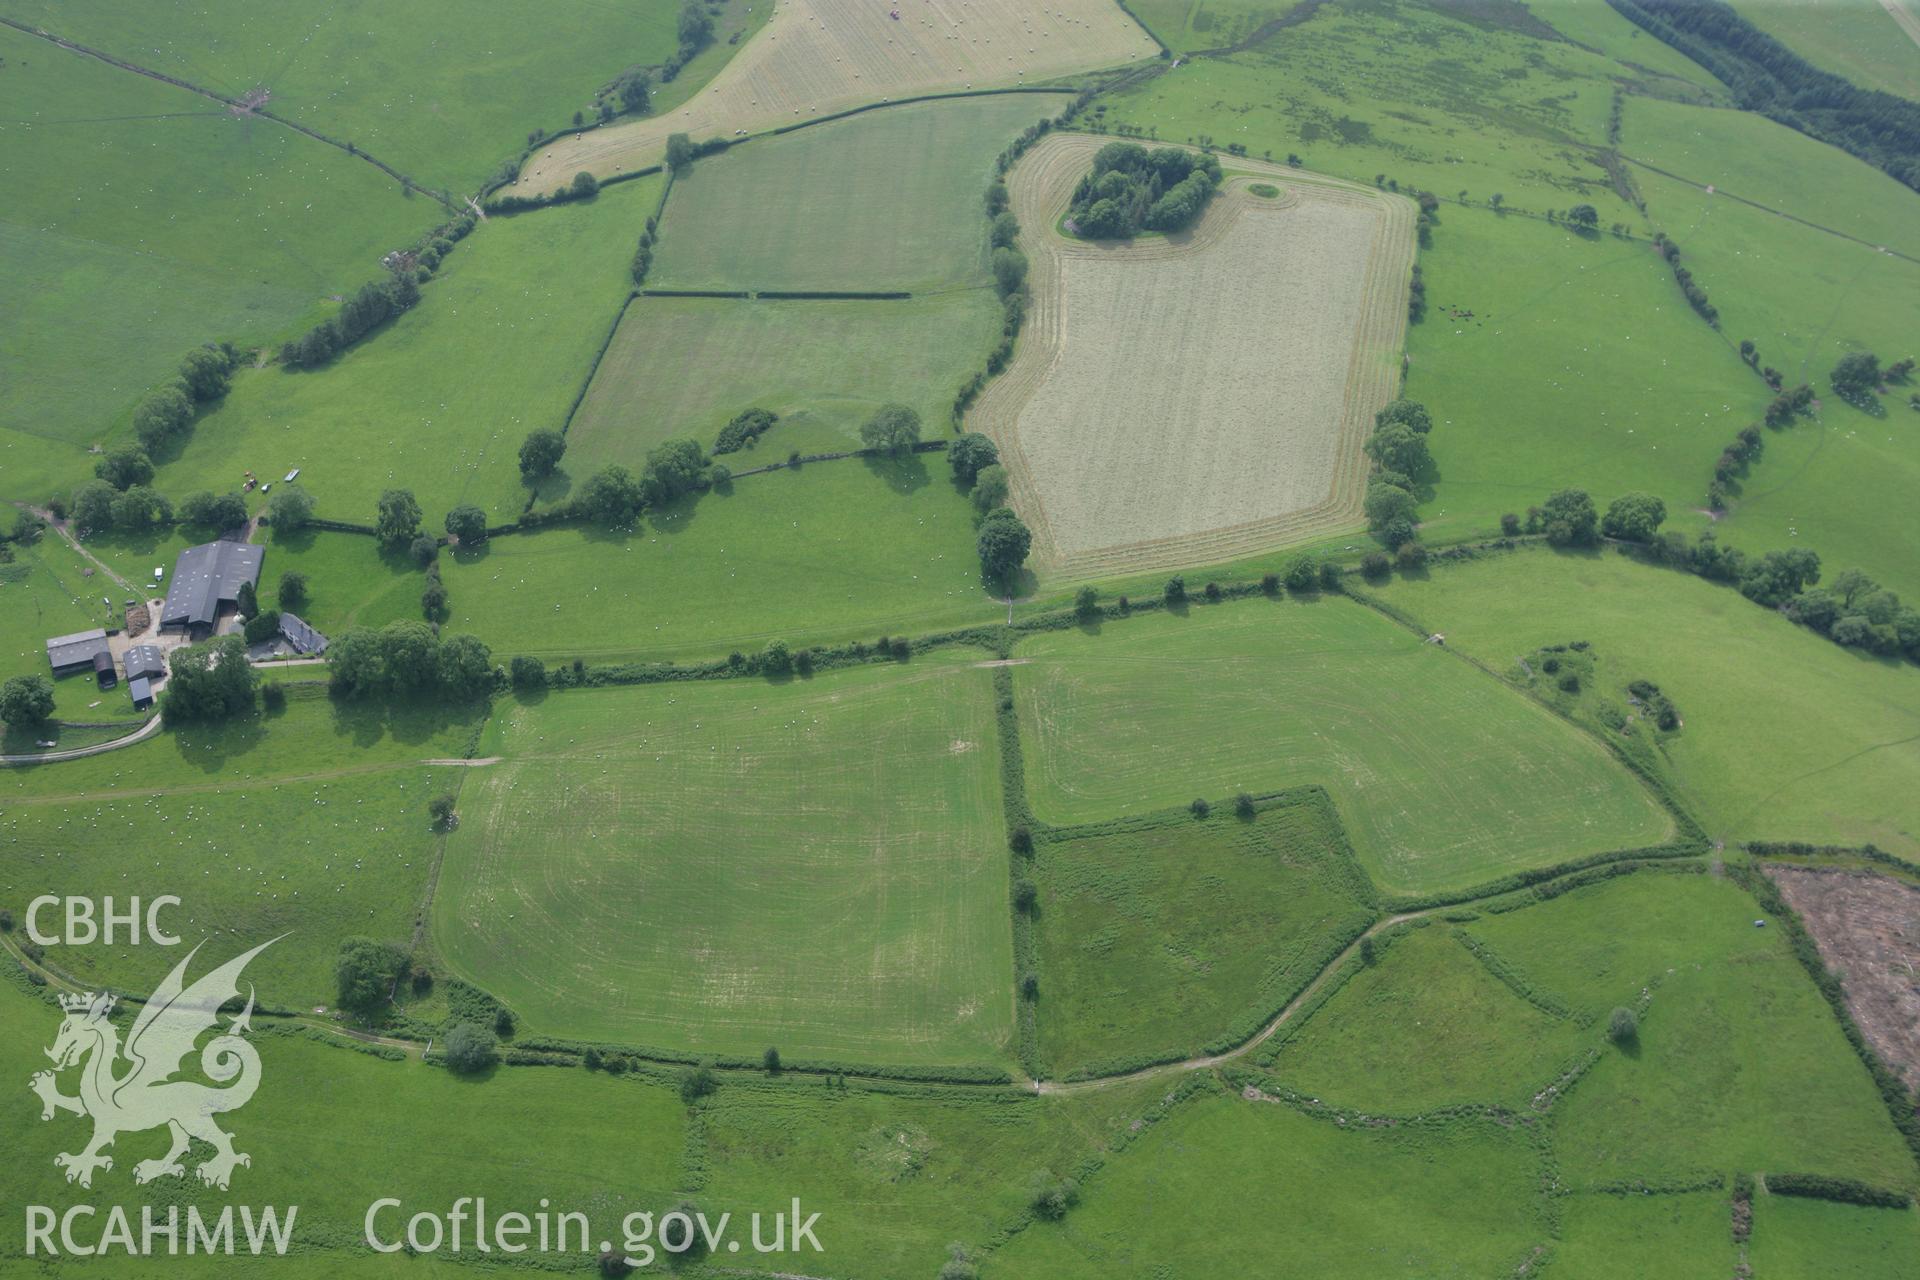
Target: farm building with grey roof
[[206, 579], [77, 651]]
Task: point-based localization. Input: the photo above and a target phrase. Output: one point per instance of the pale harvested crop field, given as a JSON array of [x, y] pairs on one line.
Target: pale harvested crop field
[[817, 57], [1205, 395]]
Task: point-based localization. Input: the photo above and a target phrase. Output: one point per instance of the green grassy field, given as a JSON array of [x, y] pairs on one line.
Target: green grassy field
[[1855, 39], [1427, 1026], [886, 200], [1580, 365], [1738, 1064], [142, 220], [439, 401], [311, 822], [1453, 1199], [1743, 154], [1605, 1236], [1836, 481], [685, 366], [900, 1175], [324, 1130], [1785, 735], [444, 100], [1184, 25], [830, 851], [1443, 778], [1487, 102], [350, 581], [1805, 1239], [1161, 939], [833, 551]]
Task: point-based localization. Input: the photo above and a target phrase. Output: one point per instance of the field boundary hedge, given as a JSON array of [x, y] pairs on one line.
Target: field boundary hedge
[[1816, 1186], [1893, 1090], [1801, 849]]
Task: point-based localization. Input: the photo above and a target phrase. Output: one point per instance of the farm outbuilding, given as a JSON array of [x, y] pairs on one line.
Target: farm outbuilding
[[67, 654], [103, 673], [142, 690], [145, 661], [303, 638], [206, 580]]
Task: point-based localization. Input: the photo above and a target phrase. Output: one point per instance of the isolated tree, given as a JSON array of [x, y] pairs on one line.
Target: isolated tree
[[776, 659], [1584, 215], [584, 186], [612, 497], [635, 92], [1569, 518], [1009, 270], [440, 809], [1623, 1026], [679, 152], [1086, 603], [210, 681], [698, 1080], [214, 511], [1856, 377], [291, 594], [1175, 592], [397, 518], [470, 1047], [1634, 517], [364, 973], [695, 27], [540, 453], [141, 508], [467, 525], [893, 431], [1398, 447], [92, 507], [674, 468], [1778, 576], [1003, 542], [1386, 502], [968, 454], [1050, 1196], [207, 371], [770, 1061], [424, 549], [527, 673], [289, 508], [463, 666], [26, 702], [161, 416], [125, 467], [1408, 413], [990, 488]]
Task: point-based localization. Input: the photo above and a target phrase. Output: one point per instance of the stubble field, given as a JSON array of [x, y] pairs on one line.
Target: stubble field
[[817, 57], [1197, 395]]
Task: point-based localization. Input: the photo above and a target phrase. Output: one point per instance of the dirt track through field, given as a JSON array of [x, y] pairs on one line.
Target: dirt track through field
[[818, 57], [1194, 397]]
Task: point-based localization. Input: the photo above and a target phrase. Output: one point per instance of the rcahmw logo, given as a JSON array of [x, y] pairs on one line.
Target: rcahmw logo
[[130, 1088]]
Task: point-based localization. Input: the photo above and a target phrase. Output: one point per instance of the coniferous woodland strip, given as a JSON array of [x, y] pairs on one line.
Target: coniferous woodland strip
[[1770, 78]]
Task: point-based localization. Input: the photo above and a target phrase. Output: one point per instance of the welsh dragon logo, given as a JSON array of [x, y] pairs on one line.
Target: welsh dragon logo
[[125, 1089]]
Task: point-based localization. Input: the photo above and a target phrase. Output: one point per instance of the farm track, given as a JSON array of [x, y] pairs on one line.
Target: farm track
[[816, 59], [1041, 189]]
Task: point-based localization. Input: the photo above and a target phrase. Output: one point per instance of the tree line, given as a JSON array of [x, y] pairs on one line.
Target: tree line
[[1770, 78], [377, 301]]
